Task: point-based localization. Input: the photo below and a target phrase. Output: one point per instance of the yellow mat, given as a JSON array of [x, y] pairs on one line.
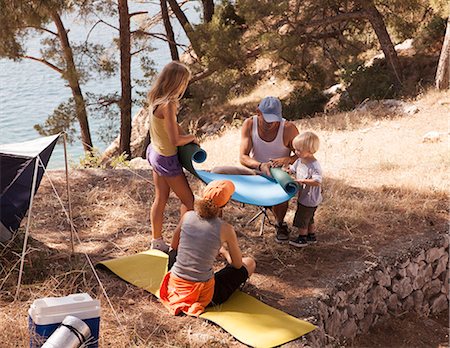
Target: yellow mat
[[246, 318]]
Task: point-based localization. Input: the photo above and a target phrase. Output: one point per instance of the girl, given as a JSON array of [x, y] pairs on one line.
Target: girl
[[166, 135], [191, 285]]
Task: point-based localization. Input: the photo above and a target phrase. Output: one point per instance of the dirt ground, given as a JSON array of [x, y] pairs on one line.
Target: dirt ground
[[407, 331], [111, 212], [361, 220]]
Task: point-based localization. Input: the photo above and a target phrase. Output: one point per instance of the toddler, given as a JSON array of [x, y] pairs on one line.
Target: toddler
[[308, 174]]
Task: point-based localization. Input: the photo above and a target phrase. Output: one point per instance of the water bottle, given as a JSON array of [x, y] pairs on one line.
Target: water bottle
[[72, 333]]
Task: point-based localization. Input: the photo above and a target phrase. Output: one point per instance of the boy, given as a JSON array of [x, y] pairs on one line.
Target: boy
[[308, 173]]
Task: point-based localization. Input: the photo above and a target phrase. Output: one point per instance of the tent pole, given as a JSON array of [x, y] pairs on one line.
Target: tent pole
[[68, 192], [24, 248]]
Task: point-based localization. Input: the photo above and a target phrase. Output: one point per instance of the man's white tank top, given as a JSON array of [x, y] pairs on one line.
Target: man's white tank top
[[264, 151]]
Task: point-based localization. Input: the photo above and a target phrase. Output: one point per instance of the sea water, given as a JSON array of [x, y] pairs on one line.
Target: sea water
[[30, 91]]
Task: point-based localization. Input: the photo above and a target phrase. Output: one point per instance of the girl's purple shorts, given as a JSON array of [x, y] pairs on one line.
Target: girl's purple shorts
[[164, 165]]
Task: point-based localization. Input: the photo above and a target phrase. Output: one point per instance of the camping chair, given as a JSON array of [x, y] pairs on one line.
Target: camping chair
[[262, 211], [258, 190]]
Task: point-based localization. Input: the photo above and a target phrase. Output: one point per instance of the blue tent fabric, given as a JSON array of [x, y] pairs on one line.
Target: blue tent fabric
[[250, 189], [17, 163]]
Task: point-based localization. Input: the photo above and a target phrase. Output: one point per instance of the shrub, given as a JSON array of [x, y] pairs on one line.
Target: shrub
[[304, 102]]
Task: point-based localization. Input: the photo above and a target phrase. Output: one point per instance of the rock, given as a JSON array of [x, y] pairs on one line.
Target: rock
[[366, 322], [426, 310], [349, 329], [412, 270], [359, 309], [434, 253], [393, 302], [344, 315], [439, 304], [410, 109], [432, 288], [418, 299], [408, 304], [431, 137], [139, 163], [139, 137], [402, 287], [428, 273], [377, 294], [334, 89], [441, 266], [418, 282], [404, 264], [351, 310], [382, 278], [323, 309], [406, 48], [420, 257], [333, 324], [381, 308], [446, 241], [402, 272], [341, 299]]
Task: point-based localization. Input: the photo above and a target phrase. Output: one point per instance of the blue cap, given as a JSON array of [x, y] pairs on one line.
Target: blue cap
[[270, 107]]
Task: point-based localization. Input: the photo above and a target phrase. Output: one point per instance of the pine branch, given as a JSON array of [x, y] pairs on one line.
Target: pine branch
[[43, 61]]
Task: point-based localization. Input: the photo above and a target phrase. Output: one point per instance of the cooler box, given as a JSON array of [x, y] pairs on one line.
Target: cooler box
[[45, 315]]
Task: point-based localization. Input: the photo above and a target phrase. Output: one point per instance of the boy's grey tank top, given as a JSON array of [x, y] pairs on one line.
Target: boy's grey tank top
[[264, 151], [198, 248]]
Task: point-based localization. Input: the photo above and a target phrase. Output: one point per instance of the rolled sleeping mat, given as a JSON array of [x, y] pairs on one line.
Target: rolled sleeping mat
[[190, 153], [284, 180]]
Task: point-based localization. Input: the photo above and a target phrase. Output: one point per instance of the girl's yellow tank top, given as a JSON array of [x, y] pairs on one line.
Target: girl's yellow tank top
[[159, 138]]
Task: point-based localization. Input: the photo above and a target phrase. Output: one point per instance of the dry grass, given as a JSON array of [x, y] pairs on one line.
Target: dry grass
[[383, 187]]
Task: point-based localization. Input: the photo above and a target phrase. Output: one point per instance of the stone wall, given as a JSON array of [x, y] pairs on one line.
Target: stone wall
[[415, 280]]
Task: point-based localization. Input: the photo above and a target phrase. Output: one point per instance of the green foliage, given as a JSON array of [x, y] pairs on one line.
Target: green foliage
[[219, 39], [91, 159], [304, 102], [120, 161], [220, 87], [432, 32], [62, 119], [374, 82]]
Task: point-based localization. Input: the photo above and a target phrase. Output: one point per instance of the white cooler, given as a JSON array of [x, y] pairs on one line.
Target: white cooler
[[45, 315]]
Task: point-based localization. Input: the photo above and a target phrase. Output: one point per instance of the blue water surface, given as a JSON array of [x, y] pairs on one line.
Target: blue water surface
[[30, 91]]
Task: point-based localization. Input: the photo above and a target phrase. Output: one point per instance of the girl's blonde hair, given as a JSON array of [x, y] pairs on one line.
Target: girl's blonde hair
[[170, 84], [307, 141], [206, 208]]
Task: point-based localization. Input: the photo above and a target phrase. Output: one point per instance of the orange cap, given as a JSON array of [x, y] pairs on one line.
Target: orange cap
[[219, 191]]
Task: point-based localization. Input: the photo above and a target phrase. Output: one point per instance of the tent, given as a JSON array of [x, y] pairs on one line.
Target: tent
[[22, 166], [18, 164]]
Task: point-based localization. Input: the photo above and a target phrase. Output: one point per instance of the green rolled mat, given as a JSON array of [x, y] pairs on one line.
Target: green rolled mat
[[284, 180], [190, 153]]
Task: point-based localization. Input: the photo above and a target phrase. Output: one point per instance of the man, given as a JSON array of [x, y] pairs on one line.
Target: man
[[266, 141]]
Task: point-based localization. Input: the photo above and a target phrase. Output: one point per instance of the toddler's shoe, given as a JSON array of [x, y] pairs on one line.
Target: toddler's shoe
[[159, 244], [311, 238], [299, 242], [282, 233]]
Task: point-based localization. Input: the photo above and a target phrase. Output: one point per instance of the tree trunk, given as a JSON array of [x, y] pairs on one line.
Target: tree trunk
[[71, 75], [208, 10], [169, 31], [187, 27], [376, 20], [443, 69], [125, 77]]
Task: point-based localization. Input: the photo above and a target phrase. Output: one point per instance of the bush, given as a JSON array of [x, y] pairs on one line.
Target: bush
[[304, 102], [91, 160], [374, 82]]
